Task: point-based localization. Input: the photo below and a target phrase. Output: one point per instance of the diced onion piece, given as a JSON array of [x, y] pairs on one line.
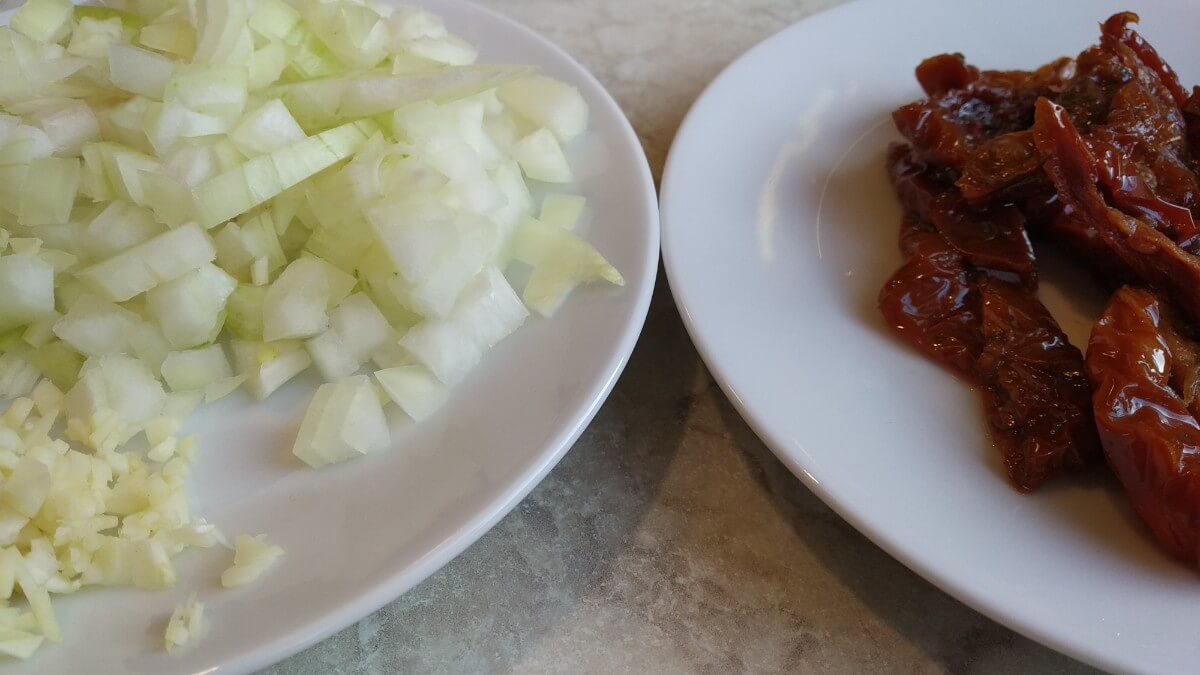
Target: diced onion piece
[[331, 356], [181, 404], [240, 245], [168, 124], [149, 344], [267, 65], [50, 189], [260, 273], [341, 283], [139, 71], [96, 327], [355, 33], [25, 143], [219, 24], [268, 366], [171, 202], [269, 127], [40, 332], [418, 393], [437, 255], [217, 90], [118, 227], [26, 290], [68, 124], [274, 19], [489, 309], [43, 20], [120, 384], [251, 557], [360, 325], [190, 309], [92, 37], [196, 368], [115, 171], [18, 375], [548, 103], [58, 362], [168, 256], [244, 316], [172, 37], [541, 158], [129, 19], [487, 312], [561, 261], [411, 23], [343, 421], [294, 306], [47, 397], [238, 190], [450, 50]]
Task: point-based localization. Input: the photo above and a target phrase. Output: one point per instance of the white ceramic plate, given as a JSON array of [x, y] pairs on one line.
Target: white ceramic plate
[[779, 229], [359, 534]]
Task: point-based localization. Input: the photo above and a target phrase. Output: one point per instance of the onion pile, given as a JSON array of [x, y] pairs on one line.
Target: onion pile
[[203, 197]]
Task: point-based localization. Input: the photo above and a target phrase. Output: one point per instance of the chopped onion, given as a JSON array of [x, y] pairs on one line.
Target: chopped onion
[[268, 366], [541, 158], [418, 393], [546, 102], [26, 289], [139, 71], [360, 326], [343, 421], [44, 20], [196, 368], [49, 191], [92, 37], [96, 327], [487, 312], [190, 309], [269, 127], [294, 306], [138, 269], [68, 124], [302, 183]]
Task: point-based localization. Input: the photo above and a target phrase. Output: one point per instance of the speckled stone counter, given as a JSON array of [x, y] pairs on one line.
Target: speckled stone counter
[[669, 540]]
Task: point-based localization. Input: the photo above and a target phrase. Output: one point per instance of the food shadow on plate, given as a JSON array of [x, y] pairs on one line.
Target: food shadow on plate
[[857, 229]]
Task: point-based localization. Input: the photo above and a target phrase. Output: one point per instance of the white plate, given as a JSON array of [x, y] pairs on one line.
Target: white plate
[[779, 229], [359, 534]]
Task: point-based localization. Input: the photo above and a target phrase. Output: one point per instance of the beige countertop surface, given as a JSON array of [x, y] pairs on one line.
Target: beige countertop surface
[[670, 540]]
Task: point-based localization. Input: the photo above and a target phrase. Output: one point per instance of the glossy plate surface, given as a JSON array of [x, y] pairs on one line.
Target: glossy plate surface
[[359, 534], [779, 228]]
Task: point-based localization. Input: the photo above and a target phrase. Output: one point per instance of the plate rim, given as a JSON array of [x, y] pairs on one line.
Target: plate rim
[[808, 474]]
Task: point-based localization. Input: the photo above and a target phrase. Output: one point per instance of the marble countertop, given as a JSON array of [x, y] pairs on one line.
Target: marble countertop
[[670, 539]]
